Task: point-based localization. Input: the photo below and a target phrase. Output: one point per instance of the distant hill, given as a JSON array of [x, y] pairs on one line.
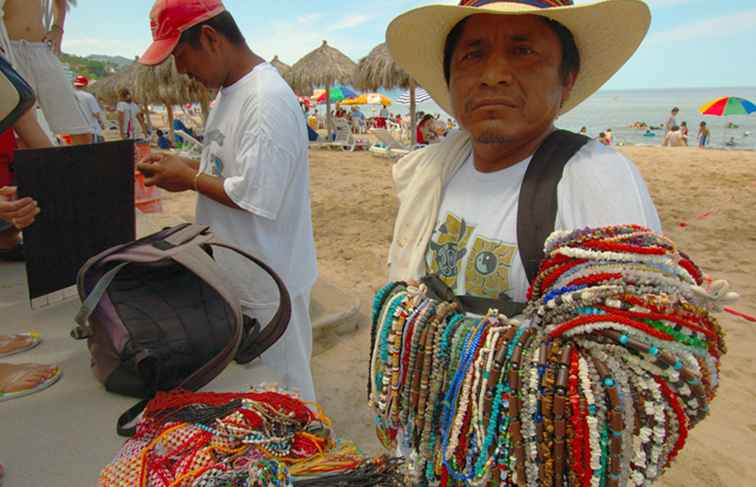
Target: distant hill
[[119, 61], [95, 66]]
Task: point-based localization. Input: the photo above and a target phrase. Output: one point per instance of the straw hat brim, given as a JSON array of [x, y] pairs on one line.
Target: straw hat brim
[[606, 33]]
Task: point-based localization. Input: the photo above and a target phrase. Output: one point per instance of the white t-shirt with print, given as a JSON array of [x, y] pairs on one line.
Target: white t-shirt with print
[[474, 247], [256, 139], [130, 111]]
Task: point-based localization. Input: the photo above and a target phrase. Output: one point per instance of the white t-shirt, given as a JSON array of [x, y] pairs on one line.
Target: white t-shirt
[[130, 111], [89, 107], [474, 247], [256, 139]]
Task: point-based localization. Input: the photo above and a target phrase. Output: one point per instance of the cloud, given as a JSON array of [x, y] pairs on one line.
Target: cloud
[[309, 18], [350, 22], [722, 26]]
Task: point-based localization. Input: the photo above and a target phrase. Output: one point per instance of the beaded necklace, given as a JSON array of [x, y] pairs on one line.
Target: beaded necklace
[[619, 361]]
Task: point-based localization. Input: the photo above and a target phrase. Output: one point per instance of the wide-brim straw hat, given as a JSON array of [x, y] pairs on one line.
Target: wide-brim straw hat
[[606, 33]]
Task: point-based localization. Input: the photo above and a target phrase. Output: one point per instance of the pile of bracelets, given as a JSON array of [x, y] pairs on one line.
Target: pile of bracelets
[[615, 359], [264, 437]]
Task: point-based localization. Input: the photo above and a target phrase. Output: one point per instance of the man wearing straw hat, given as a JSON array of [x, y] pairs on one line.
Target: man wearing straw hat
[[506, 70], [253, 179]]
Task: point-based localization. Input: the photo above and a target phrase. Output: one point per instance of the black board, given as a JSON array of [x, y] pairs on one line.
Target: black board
[[86, 197]]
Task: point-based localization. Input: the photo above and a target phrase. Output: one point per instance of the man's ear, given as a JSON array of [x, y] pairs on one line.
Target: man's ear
[[210, 39], [567, 85]]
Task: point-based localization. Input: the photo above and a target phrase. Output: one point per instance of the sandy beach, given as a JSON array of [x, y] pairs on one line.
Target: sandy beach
[[707, 203]]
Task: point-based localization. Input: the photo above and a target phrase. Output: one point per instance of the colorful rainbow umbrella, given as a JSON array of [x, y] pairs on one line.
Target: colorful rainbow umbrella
[[337, 93], [728, 105]]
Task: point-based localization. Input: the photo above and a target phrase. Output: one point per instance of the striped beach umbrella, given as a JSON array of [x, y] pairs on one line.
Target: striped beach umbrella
[[727, 106], [420, 96]]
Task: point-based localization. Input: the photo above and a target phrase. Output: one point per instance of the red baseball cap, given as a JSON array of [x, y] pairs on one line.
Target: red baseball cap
[[169, 18], [81, 81]]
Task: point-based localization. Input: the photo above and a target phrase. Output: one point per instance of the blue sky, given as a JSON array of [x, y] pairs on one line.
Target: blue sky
[[692, 43]]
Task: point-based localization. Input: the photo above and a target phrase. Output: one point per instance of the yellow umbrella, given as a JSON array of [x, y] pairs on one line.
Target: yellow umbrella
[[368, 99]]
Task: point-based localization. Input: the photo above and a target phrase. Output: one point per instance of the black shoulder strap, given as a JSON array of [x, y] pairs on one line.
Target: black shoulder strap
[[538, 196], [256, 340]]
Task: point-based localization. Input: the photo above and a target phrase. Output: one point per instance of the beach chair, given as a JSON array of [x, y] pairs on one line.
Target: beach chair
[[345, 140], [390, 146]]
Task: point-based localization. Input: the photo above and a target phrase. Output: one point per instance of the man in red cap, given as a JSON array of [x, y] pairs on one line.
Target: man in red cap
[[89, 107], [253, 178]]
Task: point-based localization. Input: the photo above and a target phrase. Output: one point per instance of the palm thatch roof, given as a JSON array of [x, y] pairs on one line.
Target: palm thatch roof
[[107, 89], [322, 67], [163, 84], [151, 85], [154, 85], [379, 70], [281, 66]]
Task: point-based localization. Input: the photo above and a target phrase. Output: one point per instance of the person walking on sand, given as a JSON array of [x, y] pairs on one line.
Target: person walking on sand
[[129, 115], [703, 135], [253, 178], [34, 51], [684, 131], [90, 107]]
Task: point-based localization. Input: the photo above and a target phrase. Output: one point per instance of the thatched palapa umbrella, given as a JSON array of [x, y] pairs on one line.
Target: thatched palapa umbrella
[[163, 84], [322, 67], [281, 66], [109, 88], [379, 70], [154, 85]]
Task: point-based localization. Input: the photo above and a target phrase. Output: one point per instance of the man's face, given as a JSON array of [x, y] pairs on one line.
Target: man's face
[[203, 63], [505, 80]]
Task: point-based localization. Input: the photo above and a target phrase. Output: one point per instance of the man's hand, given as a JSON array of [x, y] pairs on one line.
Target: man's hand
[[171, 173], [54, 39], [20, 213]]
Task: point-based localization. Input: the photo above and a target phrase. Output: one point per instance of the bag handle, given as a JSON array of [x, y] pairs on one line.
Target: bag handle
[[83, 330], [128, 417], [438, 289], [254, 345]]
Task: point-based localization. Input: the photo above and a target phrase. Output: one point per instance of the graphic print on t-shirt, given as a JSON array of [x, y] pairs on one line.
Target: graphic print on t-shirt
[[216, 163], [447, 248], [485, 262], [488, 266]]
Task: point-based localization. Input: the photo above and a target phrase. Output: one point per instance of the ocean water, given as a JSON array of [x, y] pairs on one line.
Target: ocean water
[[619, 109]]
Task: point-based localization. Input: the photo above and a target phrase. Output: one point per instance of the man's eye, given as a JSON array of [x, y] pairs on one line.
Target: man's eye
[[471, 55], [523, 51]]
